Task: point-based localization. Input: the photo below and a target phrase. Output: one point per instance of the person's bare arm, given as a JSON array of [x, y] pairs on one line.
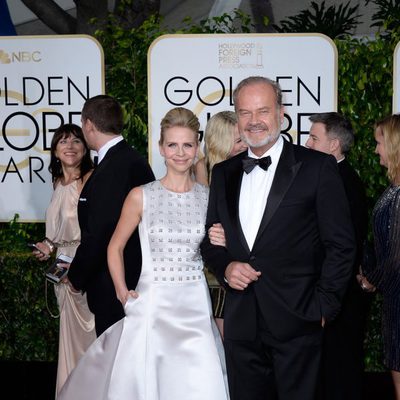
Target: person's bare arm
[[128, 222]]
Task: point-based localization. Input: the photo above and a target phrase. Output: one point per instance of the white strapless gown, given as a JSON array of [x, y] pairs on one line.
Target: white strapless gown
[[168, 346]]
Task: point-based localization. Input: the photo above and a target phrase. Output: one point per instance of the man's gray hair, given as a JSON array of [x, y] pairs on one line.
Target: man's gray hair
[[337, 127], [259, 79]]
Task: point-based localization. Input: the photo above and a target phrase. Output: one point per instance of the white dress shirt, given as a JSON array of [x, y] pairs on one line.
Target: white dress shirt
[[103, 150], [254, 192]]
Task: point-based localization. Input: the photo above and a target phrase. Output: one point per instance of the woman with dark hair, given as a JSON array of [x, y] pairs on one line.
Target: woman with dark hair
[[70, 167], [56, 167]]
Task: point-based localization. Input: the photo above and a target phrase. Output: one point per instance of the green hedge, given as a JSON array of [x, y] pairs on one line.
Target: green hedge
[[27, 330]]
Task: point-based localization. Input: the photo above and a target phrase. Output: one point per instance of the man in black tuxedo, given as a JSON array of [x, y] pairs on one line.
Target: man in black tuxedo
[[288, 256], [342, 354], [120, 168]]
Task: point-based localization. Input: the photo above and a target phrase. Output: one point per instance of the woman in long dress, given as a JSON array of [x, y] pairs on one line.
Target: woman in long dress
[[70, 166], [168, 346], [386, 229]]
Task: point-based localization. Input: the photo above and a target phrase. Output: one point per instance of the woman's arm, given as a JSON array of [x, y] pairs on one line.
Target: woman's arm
[[129, 220]]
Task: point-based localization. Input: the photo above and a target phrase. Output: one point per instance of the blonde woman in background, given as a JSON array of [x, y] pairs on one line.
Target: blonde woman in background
[[221, 141], [385, 277]]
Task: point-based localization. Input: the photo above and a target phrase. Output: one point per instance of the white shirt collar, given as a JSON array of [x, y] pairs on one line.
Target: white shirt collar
[[338, 161], [103, 150]]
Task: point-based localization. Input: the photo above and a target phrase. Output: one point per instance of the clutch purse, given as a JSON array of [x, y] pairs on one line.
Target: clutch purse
[[57, 272]]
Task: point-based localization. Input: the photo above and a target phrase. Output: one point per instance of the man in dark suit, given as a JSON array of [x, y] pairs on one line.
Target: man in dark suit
[[342, 354], [288, 256], [120, 168]]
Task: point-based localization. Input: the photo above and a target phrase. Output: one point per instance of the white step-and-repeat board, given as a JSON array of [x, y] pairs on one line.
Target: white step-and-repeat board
[[44, 82], [200, 72]]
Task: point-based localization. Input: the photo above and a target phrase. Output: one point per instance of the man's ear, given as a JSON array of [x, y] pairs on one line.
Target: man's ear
[[89, 124], [334, 146]]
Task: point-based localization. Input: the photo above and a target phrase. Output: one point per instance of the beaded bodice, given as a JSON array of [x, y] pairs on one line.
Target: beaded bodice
[[175, 223], [386, 216]]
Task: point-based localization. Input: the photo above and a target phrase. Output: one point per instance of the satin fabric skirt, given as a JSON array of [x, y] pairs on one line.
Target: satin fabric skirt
[[76, 333], [166, 348]]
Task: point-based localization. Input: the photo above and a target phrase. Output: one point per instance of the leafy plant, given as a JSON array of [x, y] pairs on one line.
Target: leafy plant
[[125, 53], [27, 330], [365, 96], [237, 22], [14, 235], [387, 16], [330, 21]]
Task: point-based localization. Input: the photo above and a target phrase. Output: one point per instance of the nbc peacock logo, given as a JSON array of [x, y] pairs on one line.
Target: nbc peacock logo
[[4, 57]]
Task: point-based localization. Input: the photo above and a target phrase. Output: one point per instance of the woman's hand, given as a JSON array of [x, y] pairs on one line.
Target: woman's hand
[[217, 235], [129, 293], [365, 285], [43, 252]]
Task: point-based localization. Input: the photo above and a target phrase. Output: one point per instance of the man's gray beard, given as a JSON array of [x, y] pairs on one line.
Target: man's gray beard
[[270, 138]]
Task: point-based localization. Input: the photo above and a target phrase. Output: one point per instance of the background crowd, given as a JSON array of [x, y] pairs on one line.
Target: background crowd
[[294, 321]]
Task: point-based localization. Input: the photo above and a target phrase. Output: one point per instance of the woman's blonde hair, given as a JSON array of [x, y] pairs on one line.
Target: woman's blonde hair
[[219, 138], [179, 116], [390, 129]]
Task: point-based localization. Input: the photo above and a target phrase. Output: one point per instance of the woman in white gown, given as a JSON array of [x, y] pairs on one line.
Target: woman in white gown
[[168, 346]]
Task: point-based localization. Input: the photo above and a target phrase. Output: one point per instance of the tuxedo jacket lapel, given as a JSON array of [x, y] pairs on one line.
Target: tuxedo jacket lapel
[[285, 173], [103, 163], [232, 196], [111, 151]]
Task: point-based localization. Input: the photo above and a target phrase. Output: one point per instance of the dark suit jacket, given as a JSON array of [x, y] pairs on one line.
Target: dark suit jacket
[[356, 301], [99, 209], [304, 247], [356, 196]]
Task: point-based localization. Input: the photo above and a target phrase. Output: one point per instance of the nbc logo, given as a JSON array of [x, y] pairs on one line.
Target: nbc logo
[[4, 57], [19, 57]]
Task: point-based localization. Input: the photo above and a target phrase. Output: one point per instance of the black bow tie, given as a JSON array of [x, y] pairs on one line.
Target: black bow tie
[[249, 163]]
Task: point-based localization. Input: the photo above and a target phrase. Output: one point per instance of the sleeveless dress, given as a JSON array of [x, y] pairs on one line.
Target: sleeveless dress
[[167, 347], [386, 275], [76, 331]]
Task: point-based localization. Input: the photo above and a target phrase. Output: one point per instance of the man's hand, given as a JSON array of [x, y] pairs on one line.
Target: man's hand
[[239, 275]]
